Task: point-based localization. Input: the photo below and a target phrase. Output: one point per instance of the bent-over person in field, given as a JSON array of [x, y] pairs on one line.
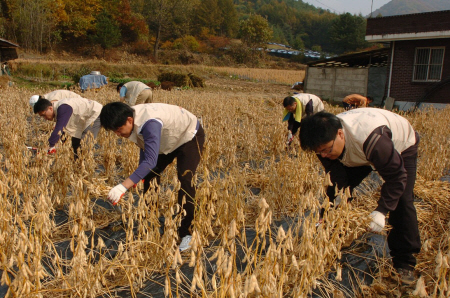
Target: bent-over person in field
[[134, 93], [297, 107], [349, 145], [74, 116], [354, 101], [163, 132], [54, 96]]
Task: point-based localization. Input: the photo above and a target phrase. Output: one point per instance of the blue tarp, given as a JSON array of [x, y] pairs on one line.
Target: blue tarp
[[92, 82]]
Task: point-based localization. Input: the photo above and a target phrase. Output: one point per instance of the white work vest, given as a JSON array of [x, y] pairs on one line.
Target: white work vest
[[358, 124], [179, 126], [133, 90], [85, 111], [304, 98], [60, 94]]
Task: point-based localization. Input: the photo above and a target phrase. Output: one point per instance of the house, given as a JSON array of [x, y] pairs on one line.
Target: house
[[419, 57], [334, 78], [7, 52]]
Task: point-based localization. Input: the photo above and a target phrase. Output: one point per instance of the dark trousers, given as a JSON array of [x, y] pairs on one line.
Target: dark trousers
[[348, 106], [94, 129], [188, 157], [404, 238]]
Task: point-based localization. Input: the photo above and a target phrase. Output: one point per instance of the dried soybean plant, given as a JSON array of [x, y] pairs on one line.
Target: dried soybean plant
[[247, 180]]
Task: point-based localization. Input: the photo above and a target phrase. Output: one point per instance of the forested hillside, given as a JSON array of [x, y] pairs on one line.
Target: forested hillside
[[148, 26], [398, 7]]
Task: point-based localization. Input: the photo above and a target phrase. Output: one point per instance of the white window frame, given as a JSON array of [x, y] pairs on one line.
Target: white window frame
[[428, 64]]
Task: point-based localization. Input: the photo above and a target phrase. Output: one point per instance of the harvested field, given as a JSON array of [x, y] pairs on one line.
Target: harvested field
[[60, 238]]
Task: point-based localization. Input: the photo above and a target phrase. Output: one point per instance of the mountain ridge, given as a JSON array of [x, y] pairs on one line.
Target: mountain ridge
[[400, 7]]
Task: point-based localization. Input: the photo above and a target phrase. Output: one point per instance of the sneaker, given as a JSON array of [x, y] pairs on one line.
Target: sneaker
[[184, 245], [406, 276]]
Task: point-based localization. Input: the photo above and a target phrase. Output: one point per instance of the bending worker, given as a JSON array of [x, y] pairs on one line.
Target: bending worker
[[54, 96], [349, 145], [297, 107], [134, 93], [162, 132], [354, 101], [75, 116]]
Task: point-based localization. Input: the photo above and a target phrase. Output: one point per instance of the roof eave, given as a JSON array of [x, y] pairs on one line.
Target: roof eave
[[408, 36], [5, 42]]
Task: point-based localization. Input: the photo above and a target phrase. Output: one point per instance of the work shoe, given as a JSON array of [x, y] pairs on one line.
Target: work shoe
[[184, 245], [406, 276]]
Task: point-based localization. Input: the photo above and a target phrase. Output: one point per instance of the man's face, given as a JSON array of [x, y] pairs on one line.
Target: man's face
[[333, 149], [291, 108], [125, 130], [47, 114]]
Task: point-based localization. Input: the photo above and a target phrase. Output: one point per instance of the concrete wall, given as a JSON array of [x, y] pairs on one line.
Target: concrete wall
[[334, 83]]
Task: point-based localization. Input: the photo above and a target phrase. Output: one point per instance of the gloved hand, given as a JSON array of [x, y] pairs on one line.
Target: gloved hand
[[116, 193], [378, 221], [51, 150], [289, 138]]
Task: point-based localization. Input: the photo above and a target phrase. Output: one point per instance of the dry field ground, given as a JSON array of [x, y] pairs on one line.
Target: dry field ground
[[247, 181]]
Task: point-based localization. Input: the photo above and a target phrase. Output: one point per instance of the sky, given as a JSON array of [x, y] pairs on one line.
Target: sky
[[351, 6]]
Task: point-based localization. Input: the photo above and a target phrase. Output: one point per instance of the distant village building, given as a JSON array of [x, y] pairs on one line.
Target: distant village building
[[413, 69], [363, 73], [7, 52], [419, 58]]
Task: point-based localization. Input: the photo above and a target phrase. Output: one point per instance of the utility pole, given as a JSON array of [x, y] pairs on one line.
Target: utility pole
[[371, 6]]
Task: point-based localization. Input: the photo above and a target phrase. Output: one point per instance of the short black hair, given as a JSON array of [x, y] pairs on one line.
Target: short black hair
[[287, 101], [41, 105], [318, 129], [115, 115], [119, 86]]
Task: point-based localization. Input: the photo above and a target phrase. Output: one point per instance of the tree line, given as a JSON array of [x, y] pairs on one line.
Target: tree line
[[200, 25]]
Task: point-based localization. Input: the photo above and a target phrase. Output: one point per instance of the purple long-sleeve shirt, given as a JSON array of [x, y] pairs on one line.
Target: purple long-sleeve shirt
[[63, 115], [151, 131]]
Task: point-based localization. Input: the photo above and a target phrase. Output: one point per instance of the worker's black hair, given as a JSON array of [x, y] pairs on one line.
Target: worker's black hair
[[41, 105], [119, 86], [318, 129], [287, 101], [115, 115]]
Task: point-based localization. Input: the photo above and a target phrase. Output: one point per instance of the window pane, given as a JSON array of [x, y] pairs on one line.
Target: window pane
[[421, 72], [436, 56], [422, 56], [435, 72]]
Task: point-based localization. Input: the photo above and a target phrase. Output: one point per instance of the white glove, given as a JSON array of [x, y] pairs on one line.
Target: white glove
[[116, 193], [378, 221], [289, 138]]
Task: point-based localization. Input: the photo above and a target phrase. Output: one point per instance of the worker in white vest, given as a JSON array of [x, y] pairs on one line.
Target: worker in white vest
[[297, 107], [134, 93], [54, 96], [350, 145], [163, 132], [74, 116]]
